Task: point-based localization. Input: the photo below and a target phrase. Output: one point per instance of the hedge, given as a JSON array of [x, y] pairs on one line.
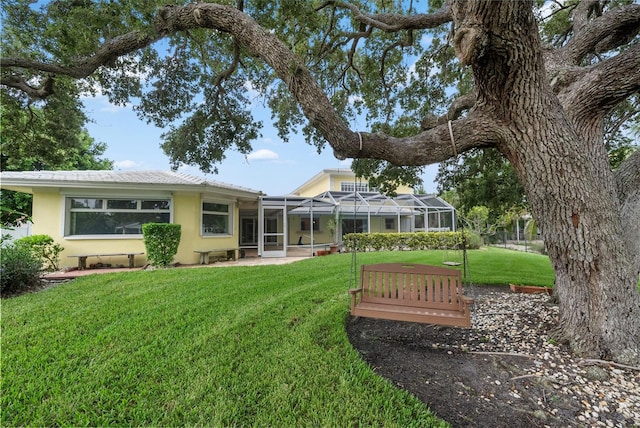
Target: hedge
[[410, 241]]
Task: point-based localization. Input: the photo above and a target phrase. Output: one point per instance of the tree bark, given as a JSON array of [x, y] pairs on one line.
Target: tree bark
[[628, 183], [573, 198]]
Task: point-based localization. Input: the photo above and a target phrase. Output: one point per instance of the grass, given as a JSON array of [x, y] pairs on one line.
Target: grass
[[239, 346]]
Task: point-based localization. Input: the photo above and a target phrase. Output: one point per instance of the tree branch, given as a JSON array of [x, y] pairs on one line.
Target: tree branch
[[430, 146], [35, 93], [106, 54], [596, 91], [387, 23], [609, 31], [457, 107], [391, 22], [583, 10]]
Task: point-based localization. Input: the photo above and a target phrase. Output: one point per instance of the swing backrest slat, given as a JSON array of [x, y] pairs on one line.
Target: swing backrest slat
[[414, 285]]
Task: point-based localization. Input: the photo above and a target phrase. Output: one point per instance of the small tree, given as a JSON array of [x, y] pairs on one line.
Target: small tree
[[161, 241], [331, 228], [44, 248]]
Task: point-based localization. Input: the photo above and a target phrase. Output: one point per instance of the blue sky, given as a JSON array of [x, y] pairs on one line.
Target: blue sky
[[274, 167]]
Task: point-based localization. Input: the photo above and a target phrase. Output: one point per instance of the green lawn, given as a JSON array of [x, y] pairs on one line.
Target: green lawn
[[237, 346]]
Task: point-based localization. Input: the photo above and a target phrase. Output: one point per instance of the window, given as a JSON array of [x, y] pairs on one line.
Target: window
[[345, 186], [304, 223], [103, 216], [389, 223], [354, 226], [216, 218]]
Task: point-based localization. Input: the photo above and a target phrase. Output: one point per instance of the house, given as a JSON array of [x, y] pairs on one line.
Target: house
[[102, 212], [359, 208]]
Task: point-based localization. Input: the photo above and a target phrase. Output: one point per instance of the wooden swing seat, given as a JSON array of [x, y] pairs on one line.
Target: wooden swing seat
[[411, 292]]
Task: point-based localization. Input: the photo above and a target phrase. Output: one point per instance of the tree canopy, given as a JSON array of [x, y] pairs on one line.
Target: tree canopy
[[434, 81], [48, 135]]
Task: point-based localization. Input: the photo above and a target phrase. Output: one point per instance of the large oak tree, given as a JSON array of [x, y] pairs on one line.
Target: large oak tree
[[50, 136], [318, 63]]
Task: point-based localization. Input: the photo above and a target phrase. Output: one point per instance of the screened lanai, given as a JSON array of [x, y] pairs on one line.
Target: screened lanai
[[304, 225], [286, 223]]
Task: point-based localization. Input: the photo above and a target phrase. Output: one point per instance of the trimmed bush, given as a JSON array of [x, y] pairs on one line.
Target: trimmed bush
[[20, 269], [161, 241], [44, 248]]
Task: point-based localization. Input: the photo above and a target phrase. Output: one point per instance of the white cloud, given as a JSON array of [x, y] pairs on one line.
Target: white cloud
[[126, 164], [262, 154], [111, 108], [252, 91], [255, 95], [100, 103], [355, 98], [426, 40]]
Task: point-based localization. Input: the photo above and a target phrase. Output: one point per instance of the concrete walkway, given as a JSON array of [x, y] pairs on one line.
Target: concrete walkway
[[248, 261]]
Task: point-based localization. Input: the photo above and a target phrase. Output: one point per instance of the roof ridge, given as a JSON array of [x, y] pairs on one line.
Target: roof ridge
[[192, 178]]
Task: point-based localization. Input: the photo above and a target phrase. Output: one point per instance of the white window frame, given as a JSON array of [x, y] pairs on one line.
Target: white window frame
[[67, 210], [349, 186], [230, 210]]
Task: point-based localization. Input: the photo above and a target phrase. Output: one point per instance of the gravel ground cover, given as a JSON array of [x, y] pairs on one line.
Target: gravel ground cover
[[508, 370]]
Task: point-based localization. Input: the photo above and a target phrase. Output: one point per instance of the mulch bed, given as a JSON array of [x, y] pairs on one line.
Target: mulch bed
[[507, 371]]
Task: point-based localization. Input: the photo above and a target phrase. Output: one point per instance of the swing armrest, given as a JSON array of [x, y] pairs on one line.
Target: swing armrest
[[353, 293], [466, 302]]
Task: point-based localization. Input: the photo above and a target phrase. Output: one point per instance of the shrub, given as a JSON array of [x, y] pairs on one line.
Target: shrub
[[161, 241], [20, 269], [474, 241], [411, 241], [44, 248]]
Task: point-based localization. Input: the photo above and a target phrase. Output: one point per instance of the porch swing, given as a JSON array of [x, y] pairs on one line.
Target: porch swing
[[451, 261], [409, 292]]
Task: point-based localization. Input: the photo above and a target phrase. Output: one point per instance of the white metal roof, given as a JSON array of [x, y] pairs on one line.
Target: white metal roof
[[372, 202], [106, 178]]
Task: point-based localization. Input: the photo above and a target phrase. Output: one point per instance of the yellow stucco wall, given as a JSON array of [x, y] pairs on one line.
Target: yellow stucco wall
[[315, 188], [48, 213], [187, 213], [321, 236], [378, 225], [333, 182], [404, 189]]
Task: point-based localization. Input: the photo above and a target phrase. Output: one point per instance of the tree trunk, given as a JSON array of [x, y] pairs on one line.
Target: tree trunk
[[595, 277], [573, 198]]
